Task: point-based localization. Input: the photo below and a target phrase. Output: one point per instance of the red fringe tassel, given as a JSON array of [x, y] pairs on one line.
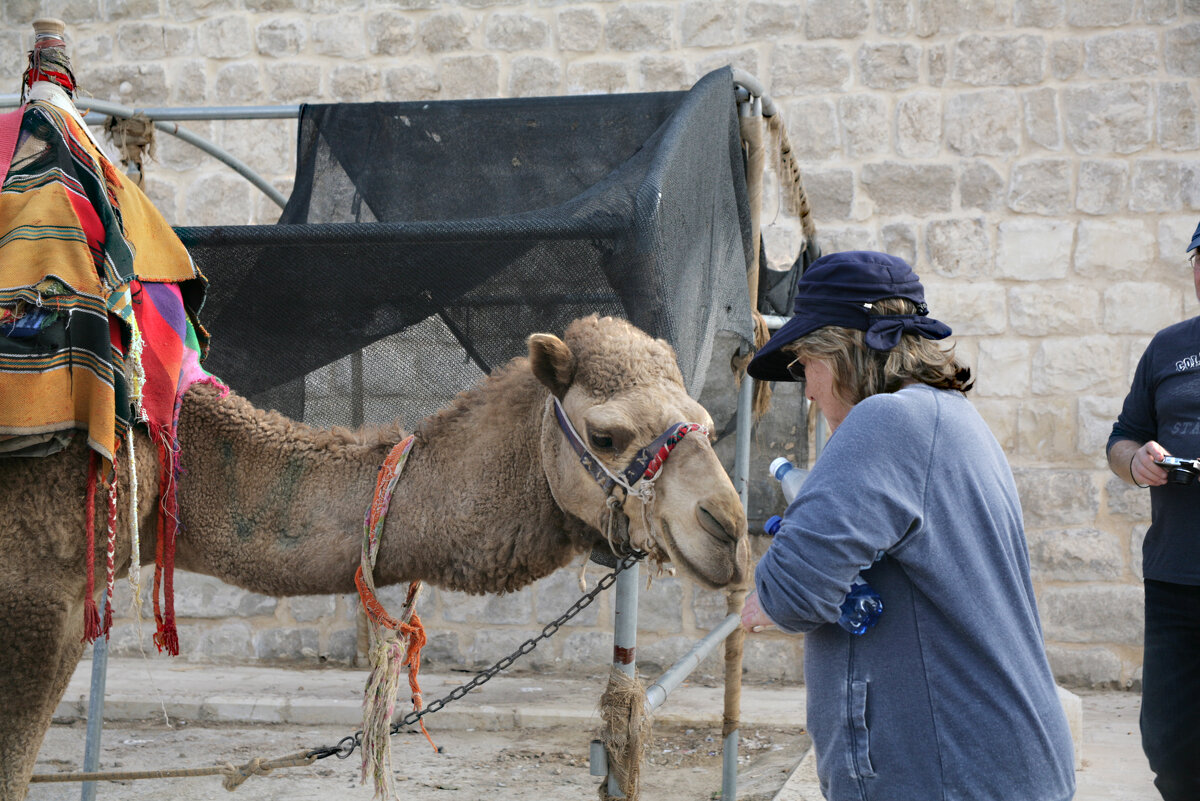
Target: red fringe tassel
[[167, 636], [91, 616]]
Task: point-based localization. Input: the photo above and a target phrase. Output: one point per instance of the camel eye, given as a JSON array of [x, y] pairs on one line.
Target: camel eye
[[600, 441]]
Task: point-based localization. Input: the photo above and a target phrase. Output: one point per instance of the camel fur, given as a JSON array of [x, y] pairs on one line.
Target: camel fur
[[492, 498]]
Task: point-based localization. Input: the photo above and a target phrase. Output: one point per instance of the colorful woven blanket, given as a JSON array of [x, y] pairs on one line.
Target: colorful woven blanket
[[98, 317]]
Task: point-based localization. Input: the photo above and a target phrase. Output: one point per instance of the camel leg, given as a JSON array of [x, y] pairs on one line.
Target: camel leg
[[39, 649]]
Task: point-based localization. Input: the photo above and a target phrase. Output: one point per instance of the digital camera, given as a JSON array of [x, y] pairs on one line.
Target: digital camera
[[1180, 471]]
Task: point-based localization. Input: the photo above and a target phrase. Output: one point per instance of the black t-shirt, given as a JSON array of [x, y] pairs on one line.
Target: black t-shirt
[[1163, 405]]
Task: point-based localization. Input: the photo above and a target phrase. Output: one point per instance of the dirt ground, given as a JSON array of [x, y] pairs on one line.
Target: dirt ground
[[525, 764]]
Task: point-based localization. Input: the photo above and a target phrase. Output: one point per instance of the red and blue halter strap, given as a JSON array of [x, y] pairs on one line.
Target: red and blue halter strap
[[646, 463]]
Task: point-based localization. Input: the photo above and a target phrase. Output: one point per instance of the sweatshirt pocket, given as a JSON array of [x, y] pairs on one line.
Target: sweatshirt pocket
[[860, 737]]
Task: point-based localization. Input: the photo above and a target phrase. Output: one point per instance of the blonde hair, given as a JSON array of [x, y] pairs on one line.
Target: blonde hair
[[860, 371]]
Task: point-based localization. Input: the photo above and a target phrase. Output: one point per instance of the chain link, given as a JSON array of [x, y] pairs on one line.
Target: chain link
[[346, 745]]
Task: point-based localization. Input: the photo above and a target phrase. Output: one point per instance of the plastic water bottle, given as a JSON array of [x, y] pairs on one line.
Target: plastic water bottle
[[863, 606], [790, 477]]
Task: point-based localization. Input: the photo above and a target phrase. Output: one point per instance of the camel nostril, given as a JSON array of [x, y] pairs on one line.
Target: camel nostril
[[718, 525]]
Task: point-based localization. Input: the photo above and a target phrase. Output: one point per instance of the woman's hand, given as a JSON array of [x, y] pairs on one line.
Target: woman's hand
[[753, 617]]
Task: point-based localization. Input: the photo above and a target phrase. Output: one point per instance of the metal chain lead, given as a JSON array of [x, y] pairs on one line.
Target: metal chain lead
[[346, 745]]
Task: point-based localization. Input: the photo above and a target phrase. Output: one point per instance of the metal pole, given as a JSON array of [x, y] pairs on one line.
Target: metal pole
[[95, 713], [656, 693], [168, 126], [624, 638]]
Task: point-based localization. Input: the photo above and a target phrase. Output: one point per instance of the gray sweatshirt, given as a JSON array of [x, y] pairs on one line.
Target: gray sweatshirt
[[950, 695]]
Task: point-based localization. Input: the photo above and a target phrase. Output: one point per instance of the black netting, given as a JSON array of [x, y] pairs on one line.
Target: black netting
[[425, 241]]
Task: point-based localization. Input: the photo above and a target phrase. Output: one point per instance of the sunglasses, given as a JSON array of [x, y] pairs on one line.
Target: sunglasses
[[796, 369]]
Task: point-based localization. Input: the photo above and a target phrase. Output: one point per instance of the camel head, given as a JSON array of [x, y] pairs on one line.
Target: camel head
[[621, 390]]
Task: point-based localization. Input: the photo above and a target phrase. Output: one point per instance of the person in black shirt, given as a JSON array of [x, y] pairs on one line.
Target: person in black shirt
[[1160, 418]]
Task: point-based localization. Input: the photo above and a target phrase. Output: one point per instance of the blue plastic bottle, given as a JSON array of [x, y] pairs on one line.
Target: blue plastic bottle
[[862, 606]]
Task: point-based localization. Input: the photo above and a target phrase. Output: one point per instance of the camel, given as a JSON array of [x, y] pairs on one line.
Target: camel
[[492, 498]]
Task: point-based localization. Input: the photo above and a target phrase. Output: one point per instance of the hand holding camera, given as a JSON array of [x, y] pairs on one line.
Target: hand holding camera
[[1179, 471]]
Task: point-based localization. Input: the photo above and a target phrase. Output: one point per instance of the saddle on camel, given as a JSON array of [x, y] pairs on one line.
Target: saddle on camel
[[120, 450]]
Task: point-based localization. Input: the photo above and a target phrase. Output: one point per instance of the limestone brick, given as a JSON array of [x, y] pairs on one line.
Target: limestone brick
[[1000, 416], [972, 306], [1093, 614], [354, 83], [1034, 250], [1099, 13], [709, 24], [342, 36], [292, 81], [1041, 186], [597, 77], [830, 193], [286, 644], [772, 20], [899, 239], [488, 645], [958, 247], [311, 608], [1096, 416], [980, 186], [130, 84], [894, 16], [443, 33], [267, 144], [1076, 555], [390, 33], [808, 69], [226, 36], [864, 121], [1121, 55], [1158, 11], [510, 32], [902, 188], [1095, 668], [1043, 126], [1102, 187], [188, 10], [956, 16], [130, 9], [1155, 185], [1182, 51], [281, 38], [745, 59], [514, 608], [1066, 58], [1177, 117], [812, 128], [231, 641], [1073, 365], [983, 60], [835, 19], [148, 41], [189, 82], [1174, 236], [935, 57], [86, 50], [238, 83], [217, 199], [1004, 364], [640, 27], [1125, 500], [411, 82], [1036, 311], [1190, 185], [767, 657], [891, 66], [834, 239], [1044, 435], [1114, 249], [274, 5], [583, 650], [470, 76], [1038, 13], [1125, 306], [534, 76], [555, 594], [1056, 498], [580, 30], [1137, 538], [1107, 118], [206, 597], [663, 74], [984, 123]]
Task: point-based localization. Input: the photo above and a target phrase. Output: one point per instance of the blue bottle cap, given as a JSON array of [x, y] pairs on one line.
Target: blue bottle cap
[[772, 524]]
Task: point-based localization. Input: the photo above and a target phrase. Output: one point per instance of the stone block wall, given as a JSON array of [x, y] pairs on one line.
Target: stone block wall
[[1037, 160]]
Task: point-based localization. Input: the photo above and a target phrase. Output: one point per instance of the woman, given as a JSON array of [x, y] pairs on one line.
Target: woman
[[949, 695]]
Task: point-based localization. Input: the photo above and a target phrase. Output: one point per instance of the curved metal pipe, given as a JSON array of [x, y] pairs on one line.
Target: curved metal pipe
[[171, 127], [756, 89]]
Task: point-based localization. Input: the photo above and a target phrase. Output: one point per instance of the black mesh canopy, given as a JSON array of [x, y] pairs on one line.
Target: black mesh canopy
[[424, 241]]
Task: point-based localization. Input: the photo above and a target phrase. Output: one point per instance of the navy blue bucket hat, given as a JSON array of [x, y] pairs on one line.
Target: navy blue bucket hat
[[838, 289], [1195, 240]]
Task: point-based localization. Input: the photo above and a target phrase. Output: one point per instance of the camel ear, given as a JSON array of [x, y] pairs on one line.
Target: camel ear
[[552, 362]]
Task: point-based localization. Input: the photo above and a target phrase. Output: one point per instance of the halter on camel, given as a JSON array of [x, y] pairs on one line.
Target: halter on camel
[[637, 479]]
